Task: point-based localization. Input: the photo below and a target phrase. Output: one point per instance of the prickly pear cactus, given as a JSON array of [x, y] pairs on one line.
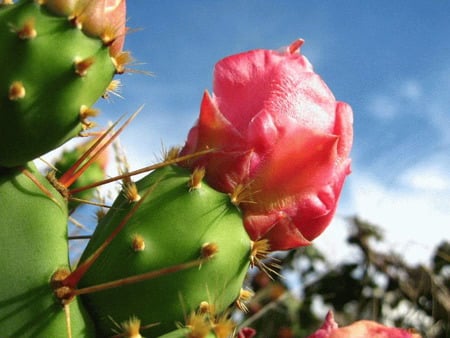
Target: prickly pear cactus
[[33, 240], [51, 75], [170, 250], [182, 228]]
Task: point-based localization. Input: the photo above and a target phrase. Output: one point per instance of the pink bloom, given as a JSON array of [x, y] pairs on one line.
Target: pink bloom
[[360, 329], [246, 332], [282, 137], [103, 18]]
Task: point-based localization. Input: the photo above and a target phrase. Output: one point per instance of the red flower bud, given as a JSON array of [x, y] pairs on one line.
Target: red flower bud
[[362, 328], [103, 18], [282, 143]]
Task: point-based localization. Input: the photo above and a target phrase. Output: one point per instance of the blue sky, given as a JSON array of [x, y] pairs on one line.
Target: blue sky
[[390, 60]]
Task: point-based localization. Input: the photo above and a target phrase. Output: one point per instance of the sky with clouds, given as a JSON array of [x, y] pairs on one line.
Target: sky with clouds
[[390, 60]]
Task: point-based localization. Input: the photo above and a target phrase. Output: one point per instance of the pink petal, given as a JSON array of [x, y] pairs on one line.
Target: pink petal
[[360, 329], [241, 82], [328, 326]]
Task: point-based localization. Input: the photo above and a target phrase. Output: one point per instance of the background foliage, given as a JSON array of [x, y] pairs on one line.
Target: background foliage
[[370, 285]]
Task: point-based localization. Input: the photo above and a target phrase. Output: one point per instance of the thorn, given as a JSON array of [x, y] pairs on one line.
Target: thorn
[[129, 188], [144, 170], [68, 321], [242, 193], [89, 134], [72, 238], [48, 164], [51, 177], [138, 243], [86, 112], [100, 213], [28, 30], [223, 326], [16, 91], [40, 186], [198, 325], [80, 200], [130, 191], [209, 250], [260, 251], [121, 60], [138, 278], [171, 154], [77, 169], [205, 308], [131, 327], [113, 89], [77, 223], [62, 292], [195, 180], [86, 125], [82, 66], [108, 36], [244, 297], [66, 178]]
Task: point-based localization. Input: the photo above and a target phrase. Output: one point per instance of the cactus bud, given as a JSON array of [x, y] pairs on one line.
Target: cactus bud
[[101, 18]]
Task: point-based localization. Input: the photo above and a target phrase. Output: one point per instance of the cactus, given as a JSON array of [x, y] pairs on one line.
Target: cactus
[[173, 247], [51, 76], [34, 247], [182, 223]]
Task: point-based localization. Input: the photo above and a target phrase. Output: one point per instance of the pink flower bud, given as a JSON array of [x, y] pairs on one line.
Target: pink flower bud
[[280, 137], [103, 18], [360, 329], [246, 332]]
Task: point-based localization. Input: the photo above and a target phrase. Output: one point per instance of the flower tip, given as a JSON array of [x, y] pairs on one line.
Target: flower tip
[[295, 46]]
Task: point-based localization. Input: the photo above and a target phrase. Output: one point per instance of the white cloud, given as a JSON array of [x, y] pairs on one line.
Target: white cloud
[[389, 104], [428, 178], [383, 107], [413, 221], [410, 90]]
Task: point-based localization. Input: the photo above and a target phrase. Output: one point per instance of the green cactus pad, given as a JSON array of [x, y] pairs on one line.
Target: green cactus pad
[[174, 222], [33, 240], [42, 96]]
